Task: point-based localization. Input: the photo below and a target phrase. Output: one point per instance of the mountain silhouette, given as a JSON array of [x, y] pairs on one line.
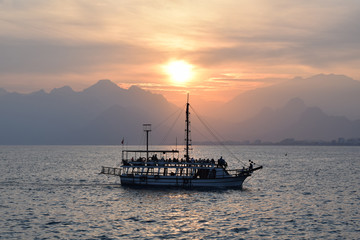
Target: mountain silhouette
[[336, 95], [63, 91], [323, 107], [296, 120], [104, 113]]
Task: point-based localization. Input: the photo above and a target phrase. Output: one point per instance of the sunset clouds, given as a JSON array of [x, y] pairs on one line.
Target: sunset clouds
[[233, 45]]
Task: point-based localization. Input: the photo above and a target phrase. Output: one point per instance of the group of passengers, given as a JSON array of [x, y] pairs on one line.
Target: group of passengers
[[162, 161]]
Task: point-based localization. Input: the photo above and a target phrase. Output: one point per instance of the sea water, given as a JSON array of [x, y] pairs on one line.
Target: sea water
[[55, 192]]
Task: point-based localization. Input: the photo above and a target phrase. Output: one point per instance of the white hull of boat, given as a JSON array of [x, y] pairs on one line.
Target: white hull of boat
[[184, 182]]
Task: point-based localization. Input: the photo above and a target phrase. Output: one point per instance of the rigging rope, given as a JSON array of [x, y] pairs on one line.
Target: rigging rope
[[179, 111], [215, 137], [172, 126], [171, 115]]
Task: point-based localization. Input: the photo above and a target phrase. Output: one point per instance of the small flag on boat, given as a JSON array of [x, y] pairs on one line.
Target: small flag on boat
[[122, 141]]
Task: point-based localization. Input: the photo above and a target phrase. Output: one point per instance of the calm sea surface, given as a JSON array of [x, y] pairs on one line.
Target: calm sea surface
[[54, 192]]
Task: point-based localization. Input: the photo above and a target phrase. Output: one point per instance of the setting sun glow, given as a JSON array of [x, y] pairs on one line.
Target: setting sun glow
[[179, 71]]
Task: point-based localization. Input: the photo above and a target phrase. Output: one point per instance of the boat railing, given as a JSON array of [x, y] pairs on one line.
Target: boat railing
[[181, 171], [169, 163], [239, 172], [151, 171], [244, 171], [159, 171], [111, 171]]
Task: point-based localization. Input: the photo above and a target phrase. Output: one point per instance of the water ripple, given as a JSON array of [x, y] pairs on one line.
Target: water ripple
[[53, 192]]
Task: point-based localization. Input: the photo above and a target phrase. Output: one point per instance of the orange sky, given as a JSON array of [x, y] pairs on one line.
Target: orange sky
[[232, 45]]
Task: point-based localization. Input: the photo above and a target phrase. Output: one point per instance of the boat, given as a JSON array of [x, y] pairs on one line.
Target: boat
[[164, 168]]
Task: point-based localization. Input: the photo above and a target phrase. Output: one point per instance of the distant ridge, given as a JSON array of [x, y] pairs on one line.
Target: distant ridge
[[3, 91], [104, 87], [104, 113], [296, 120], [63, 91], [322, 107], [336, 95]]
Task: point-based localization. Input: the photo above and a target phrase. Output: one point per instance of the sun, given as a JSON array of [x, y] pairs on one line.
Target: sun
[[179, 71]]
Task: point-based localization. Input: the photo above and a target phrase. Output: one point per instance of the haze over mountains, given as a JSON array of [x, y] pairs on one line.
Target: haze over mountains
[[298, 121], [336, 95], [322, 107], [101, 114]]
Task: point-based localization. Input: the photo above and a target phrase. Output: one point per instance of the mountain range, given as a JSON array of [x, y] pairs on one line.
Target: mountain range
[[322, 107], [101, 114], [336, 95], [298, 121]]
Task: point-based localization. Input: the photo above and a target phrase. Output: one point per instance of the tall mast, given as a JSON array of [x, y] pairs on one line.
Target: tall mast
[[187, 121], [147, 129]]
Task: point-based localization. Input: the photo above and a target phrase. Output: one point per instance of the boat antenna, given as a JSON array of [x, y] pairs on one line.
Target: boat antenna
[[187, 121], [147, 129]]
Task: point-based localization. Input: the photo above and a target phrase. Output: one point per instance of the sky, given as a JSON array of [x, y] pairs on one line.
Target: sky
[[231, 46]]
